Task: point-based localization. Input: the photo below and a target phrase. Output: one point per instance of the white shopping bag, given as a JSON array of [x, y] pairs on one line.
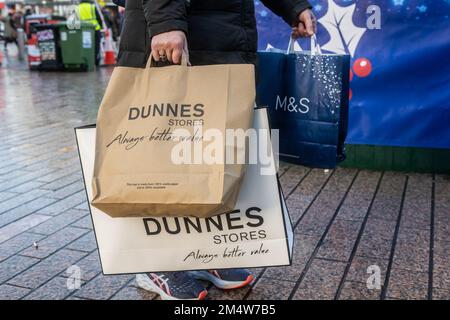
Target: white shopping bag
[[257, 233]]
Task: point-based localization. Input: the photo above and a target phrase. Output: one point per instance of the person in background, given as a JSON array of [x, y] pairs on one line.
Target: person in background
[[10, 30], [88, 12], [120, 18], [18, 17], [28, 12], [209, 32], [109, 16]]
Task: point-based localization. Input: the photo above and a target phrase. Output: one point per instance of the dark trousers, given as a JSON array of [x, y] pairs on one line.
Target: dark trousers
[[10, 40], [98, 37]]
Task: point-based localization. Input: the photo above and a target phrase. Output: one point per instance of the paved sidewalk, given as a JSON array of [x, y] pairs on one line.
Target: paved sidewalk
[[345, 220]]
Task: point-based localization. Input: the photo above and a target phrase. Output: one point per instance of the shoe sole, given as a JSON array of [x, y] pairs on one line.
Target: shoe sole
[[220, 283], [145, 283]]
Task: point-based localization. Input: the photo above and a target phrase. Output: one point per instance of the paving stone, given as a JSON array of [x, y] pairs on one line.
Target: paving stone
[[19, 177], [103, 287], [67, 190], [442, 208], [19, 199], [270, 289], [292, 177], [47, 269], [322, 274], [85, 222], [304, 246], [387, 202], [299, 201], [441, 259], [54, 242], [133, 292], [24, 210], [287, 273], [26, 187], [297, 206], [83, 206], [412, 251], [57, 223], [56, 289], [416, 211], [317, 218], [85, 243], [6, 167], [5, 195], [283, 167], [359, 269], [63, 182], [8, 292], [340, 180], [392, 184], [18, 243], [319, 215], [14, 265], [75, 298], [442, 226], [441, 294], [441, 277], [408, 285], [218, 294], [89, 267], [377, 239], [360, 196], [24, 224], [358, 291], [386, 207], [57, 174], [312, 184], [65, 204], [340, 240]]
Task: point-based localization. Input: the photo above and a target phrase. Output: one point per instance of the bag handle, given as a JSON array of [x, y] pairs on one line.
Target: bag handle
[[184, 60], [315, 47]]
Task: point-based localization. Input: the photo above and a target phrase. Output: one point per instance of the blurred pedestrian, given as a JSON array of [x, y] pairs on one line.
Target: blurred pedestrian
[[18, 18], [88, 12], [10, 33]]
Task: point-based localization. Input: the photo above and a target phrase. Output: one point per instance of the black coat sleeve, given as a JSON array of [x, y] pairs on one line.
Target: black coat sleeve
[[287, 9], [120, 3], [165, 15]]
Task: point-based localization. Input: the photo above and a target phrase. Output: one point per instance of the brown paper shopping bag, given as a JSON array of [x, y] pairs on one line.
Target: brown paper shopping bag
[[152, 123]]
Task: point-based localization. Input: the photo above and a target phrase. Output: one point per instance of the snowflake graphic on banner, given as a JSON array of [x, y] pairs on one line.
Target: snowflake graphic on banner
[[345, 37], [344, 34]]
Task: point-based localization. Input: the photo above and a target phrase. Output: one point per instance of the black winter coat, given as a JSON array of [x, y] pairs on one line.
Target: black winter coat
[[218, 31]]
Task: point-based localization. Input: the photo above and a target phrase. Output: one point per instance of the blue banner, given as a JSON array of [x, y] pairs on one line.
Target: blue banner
[[400, 66]]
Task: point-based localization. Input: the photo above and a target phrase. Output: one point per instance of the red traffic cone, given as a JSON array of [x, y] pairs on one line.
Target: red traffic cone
[[34, 55], [109, 55]]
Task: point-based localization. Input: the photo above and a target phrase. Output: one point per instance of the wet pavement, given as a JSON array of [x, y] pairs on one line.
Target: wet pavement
[[350, 225]]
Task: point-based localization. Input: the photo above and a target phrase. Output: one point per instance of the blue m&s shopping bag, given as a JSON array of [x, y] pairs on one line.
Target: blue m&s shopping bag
[[307, 94]]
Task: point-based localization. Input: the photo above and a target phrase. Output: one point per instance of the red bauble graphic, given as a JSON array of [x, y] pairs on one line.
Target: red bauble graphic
[[362, 67], [350, 94]]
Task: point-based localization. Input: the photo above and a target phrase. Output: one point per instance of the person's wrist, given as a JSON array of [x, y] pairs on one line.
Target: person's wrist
[[298, 10], [167, 26]]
